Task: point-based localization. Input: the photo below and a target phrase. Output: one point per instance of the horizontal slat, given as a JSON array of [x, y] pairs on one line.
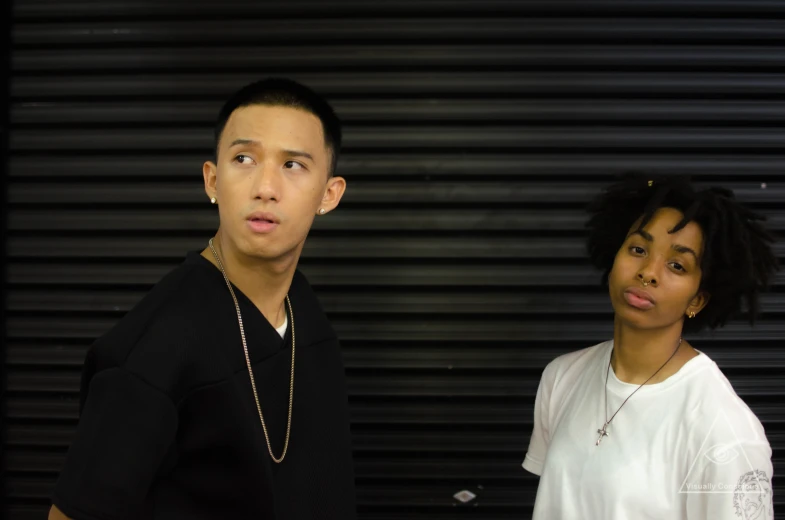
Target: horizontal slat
[[353, 111], [356, 246], [421, 137], [390, 496], [433, 193], [60, 436], [392, 28], [445, 383], [377, 413], [376, 302], [401, 467], [92, 9], [456, 512], [391, 385], [468, 219], [206, 219], [48, 300], [347, 247], [578, 85], [360, 356], [487, 468], [421, 165], [328, 275], [60, 408], [274, 58], [406, 329], [367, 412], [365, 444], [489, 496]]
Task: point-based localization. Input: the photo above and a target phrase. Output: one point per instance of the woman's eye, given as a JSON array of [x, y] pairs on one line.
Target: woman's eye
[[677, 266], [637, 250]]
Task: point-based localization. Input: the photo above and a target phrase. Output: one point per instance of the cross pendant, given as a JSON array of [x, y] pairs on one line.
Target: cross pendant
[[603, 433]]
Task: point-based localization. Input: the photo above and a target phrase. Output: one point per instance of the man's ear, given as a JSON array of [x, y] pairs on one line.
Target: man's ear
[[333, 192], [210, 174]]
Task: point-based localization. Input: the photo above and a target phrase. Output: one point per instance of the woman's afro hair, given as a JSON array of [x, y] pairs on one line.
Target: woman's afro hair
[[737, 262]]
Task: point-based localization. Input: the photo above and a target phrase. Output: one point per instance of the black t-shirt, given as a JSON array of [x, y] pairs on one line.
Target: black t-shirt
[[169, 426]]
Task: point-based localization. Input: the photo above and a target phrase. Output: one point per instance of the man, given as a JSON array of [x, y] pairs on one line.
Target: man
[[222, 393]]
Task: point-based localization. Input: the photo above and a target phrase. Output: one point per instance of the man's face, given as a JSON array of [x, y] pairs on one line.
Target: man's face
[[271, 178], [670, 265]]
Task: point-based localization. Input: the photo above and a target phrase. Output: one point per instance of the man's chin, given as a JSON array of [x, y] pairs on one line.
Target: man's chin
[[270, 252]]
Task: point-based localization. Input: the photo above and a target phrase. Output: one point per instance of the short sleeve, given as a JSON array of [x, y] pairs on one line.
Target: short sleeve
[[540, 438], [731, 482], [125, 430]]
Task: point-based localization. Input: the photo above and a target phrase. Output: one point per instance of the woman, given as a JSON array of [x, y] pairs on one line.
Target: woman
[[646, 426]]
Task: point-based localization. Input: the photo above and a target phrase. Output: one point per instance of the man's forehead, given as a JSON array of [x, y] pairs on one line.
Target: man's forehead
[[267, 114], [273, 121]]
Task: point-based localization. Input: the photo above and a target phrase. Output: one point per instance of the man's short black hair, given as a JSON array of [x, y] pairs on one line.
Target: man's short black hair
[[738, 260], [286, 93]]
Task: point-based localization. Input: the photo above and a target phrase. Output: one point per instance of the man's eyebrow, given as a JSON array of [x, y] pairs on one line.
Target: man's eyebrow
[[298, 153], [245, 142]]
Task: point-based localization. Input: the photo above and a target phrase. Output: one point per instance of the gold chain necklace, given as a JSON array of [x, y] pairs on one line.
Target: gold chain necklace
[[250, 370]]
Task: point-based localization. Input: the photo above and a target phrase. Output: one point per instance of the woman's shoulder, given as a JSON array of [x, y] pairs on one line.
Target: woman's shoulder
[[717, 410], [572, 365]]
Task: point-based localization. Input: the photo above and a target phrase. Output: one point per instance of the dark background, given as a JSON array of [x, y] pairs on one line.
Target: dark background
[[453, 271]]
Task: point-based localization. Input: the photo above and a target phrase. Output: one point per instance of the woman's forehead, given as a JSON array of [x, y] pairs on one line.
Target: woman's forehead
[[664, 221]]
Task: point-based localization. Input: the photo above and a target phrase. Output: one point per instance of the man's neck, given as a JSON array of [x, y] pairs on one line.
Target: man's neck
[[638, 353], [265, 283]]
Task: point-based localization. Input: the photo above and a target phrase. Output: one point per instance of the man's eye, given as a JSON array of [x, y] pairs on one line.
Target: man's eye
[[637, 250], [242, 159], [293, 165]]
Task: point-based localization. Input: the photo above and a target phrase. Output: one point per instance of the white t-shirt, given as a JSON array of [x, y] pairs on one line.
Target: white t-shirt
[[282, 329], [685, 448]]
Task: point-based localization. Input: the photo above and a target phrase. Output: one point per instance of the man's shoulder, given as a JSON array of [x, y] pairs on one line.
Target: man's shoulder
[[155, 334], [170, 300]]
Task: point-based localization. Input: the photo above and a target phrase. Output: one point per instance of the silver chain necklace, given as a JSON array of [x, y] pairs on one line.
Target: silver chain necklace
[[604, 430], [250, 370]]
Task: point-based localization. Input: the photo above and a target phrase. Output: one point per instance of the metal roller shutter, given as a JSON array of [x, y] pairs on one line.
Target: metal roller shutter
[[454, 269]]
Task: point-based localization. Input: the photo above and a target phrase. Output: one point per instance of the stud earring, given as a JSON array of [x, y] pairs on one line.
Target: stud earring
[[322, 211], [213, 200], [692, 314]]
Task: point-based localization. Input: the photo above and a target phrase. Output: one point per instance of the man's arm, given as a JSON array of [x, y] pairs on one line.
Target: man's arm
[[125, 431], [56, 514]]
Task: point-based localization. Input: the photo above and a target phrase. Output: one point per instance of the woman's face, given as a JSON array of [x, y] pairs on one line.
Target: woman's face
[[669, 266]]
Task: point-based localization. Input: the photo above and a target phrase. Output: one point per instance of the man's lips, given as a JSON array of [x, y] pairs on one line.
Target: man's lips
[[639, 298], [262, 222], [263, 216]]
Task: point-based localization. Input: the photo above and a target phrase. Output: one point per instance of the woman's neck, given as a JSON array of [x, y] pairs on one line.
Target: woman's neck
[[639, 353]]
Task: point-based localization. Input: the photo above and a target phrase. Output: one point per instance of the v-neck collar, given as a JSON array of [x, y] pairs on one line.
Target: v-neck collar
[[261, 336]]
